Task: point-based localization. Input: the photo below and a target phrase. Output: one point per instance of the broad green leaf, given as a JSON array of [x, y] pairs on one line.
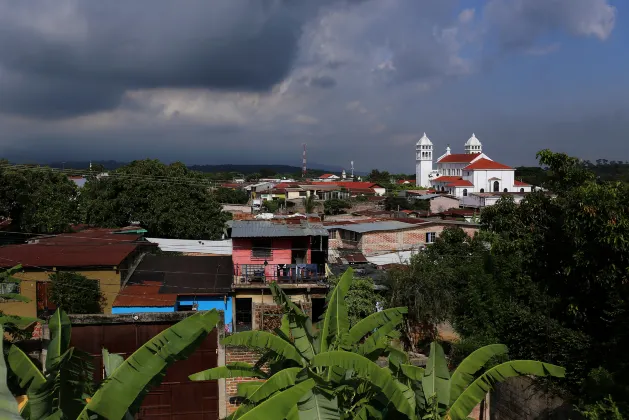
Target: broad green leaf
[[265, 341], [408, 393], [29, 375], [336, 322], [8, 404], [476, 391], [19, 321], [247, 387], [415, 373], [15, 296], [145, 368], [373, 322], [281, 404], [379, 377], [464, 373], [376, 340], [232, 370], [315, 405], [281, 380], [285, 326], [299, 325], [436, 380], [60, 334], [111, 361]]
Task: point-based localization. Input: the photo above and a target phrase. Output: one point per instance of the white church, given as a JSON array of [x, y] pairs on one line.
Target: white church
[[461, 174]]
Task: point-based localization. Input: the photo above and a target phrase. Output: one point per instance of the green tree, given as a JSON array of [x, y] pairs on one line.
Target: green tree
[[75, 293], [231, 196], [169, 201], [37, 200], [335, 206], [361, 298], [310, 204]]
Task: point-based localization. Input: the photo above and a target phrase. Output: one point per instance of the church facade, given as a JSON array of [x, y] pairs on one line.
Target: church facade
[[461, 174]]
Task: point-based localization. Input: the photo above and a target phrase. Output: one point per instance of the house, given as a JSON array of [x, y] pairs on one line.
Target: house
[[259, 187], [163, 283], [405, 182], [460, 174], [356, 188], [484, 199], [79, 180], [438, 202], [328, 178], [375, 237], [274, 194], [290, 251], [107, 256]]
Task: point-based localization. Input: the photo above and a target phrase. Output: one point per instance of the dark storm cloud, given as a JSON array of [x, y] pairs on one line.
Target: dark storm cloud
[[323, 82], [84, 60]]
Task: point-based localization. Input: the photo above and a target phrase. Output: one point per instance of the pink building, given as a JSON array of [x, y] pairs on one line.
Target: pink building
[[282, 250]]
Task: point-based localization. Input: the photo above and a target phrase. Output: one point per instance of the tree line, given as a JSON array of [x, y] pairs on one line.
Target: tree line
[[547, 277], [169, 201]]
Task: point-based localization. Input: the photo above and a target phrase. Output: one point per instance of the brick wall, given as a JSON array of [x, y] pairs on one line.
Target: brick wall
[[237, 354], [519, 399], [268, 316]]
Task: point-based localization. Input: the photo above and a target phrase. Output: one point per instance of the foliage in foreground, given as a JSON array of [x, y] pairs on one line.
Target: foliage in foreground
[[75, 293], [65, 390], [332, 373]]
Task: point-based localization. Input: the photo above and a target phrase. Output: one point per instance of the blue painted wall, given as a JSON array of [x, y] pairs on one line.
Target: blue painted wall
[[140, 309], [209, 302]]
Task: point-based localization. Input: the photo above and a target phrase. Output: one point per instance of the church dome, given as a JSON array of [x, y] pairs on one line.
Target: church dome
[[424, 141], [473, 141]]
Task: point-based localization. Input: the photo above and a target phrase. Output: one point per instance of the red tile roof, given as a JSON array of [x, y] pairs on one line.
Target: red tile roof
[[483, 163], [459, 158], [447, 179], [521, 184], [460, 183], [325, 176], [88, 248], [144, 294]]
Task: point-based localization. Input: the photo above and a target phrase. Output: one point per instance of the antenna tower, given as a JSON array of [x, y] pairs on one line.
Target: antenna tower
[[303, 167], [352, 163]]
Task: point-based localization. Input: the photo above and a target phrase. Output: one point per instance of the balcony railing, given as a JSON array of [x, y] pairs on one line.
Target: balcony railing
[[280, 273]]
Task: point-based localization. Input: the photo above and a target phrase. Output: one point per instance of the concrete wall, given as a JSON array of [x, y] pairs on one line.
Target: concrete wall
[[207, 303], [439, 204], [520, 399], [141, 309], [109, 285]]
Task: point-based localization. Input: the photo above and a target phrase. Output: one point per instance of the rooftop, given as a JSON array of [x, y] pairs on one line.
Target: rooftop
[[195, 246], [277, 228], [186, 274], [372, 226], [483, 164], [146, 294], [459, 158], [87, 248]]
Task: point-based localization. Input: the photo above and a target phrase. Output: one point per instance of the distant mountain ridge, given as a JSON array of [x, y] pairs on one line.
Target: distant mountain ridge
[[242, 169]]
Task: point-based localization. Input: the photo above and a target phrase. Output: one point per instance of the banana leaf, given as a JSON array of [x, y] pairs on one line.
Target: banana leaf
[[380, 378], [281, 380], [415, 373], [373, 322], [464, 373], [436, 380], [60, 334], [299, 325], [281, 404], [8, 404], [477, 390], [265, 341], [375, 340], [21, 322], [336, 322], [145, 368], [244, 388], [232, 370], [316, 405], [29, 375]]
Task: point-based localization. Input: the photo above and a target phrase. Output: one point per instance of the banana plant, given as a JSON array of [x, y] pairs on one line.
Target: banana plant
[[8, 404], [338, 358], [64, 390], [454, 396]]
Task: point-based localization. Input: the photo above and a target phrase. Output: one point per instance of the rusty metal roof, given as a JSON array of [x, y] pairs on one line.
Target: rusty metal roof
[[145, 294]]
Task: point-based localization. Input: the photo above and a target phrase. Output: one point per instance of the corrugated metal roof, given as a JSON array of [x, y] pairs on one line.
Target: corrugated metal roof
[[426, 196], [194, 246], [270, 229], [372, 227], [146, 294]]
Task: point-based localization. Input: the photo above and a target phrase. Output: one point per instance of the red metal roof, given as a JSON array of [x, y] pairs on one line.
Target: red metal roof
[[88, 248], [325, 176], [459, 158], [447, 179], [461, 183], [144, 294], [483, 163], [521, 184]]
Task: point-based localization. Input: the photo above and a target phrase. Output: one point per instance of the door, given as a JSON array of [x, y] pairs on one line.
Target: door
[[44, 304]]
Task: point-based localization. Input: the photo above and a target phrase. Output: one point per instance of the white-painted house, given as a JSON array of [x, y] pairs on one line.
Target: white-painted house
[[461, 174]]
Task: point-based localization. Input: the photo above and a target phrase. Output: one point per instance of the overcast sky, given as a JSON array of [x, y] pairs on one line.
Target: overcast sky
[[249, 81]]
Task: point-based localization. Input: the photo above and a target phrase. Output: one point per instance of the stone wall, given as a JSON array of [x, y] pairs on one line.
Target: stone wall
[[268, 316], [520, 399]]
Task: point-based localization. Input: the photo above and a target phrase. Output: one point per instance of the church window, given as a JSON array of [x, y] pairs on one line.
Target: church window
[[496, 186], [521, 189], [430, 237], [464, 192], [505, 190], [482, 190]]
